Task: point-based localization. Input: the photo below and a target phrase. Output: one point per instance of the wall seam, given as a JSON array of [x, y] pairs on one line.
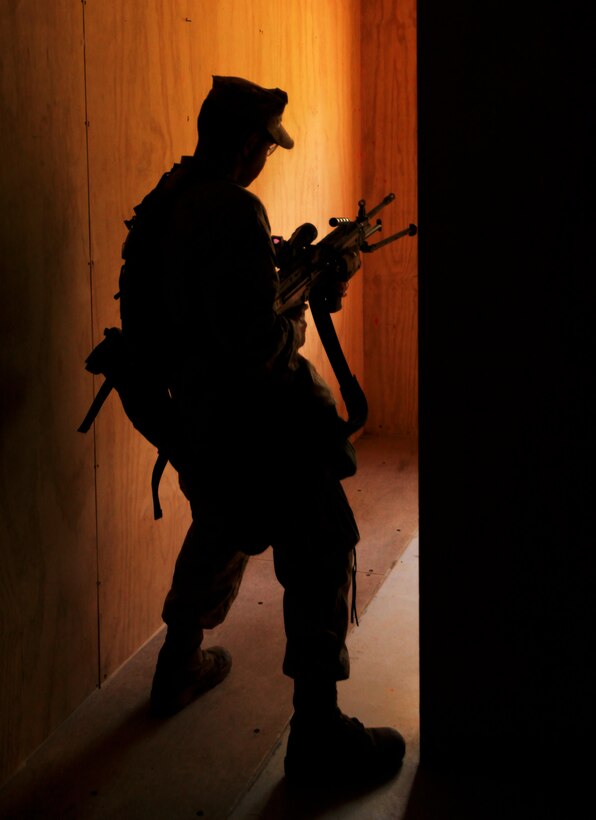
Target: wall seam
[[91, 312]]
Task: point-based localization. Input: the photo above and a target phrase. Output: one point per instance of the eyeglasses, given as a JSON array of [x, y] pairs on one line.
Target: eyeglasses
[[272, 144]]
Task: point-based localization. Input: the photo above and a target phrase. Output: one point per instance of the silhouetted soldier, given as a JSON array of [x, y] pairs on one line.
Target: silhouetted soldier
[[260, 446]]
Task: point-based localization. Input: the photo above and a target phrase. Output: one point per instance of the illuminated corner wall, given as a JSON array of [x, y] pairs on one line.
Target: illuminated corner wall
[[389, 154], [97, 100]]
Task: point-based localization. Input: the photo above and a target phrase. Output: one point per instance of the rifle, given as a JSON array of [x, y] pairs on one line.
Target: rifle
[[320, 268], [318, 274]]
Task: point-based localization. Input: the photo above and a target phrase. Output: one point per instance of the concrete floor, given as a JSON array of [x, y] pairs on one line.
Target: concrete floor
[[222, 757]]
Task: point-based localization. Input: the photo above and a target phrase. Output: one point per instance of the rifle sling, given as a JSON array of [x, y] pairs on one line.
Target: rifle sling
[[353, 395]]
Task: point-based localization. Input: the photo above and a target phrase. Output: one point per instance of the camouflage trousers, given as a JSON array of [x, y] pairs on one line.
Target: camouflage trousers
[[313, 543]]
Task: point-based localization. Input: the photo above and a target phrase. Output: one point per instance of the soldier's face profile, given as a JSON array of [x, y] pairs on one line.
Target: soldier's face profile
[[254, 159]]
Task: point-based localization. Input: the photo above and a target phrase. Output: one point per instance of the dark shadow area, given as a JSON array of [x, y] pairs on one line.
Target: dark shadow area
[[502, 794], [60, 788], [507, 444], [292, 803]]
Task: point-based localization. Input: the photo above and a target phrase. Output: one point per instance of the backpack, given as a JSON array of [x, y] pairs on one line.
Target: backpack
[[133, 359]]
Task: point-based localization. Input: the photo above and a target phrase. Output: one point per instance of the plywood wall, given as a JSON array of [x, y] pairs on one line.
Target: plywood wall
[[389, 151], [48, 612], [98, 100]]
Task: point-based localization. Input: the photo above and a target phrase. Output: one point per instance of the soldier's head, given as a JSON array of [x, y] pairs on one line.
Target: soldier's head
[[240, 125]]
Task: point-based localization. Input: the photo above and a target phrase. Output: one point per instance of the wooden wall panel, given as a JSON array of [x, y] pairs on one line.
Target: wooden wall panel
[[149, 67], [48, 623], [390, 164]]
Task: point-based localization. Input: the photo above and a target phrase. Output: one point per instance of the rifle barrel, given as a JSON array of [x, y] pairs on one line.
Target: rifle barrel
[[383, 204]]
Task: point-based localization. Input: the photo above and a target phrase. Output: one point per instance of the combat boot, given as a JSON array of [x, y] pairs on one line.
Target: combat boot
[[340, 750], [326, 747], [181, 677]]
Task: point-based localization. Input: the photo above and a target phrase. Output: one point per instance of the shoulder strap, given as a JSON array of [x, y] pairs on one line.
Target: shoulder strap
[[353, 394]]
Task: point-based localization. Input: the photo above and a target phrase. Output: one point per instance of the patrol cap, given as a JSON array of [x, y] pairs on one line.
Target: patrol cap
[[239, 102]]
